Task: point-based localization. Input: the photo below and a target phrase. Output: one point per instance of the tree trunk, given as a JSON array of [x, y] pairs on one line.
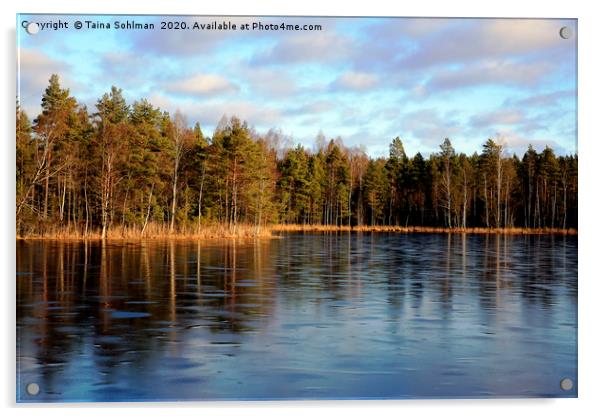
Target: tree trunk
[[537, 210], [234, 197], [465, 200], [201, 199], [486, 201], [554, 207], [106, 195], [564, 201], [499, 189], [174, 194], [148, 210], [86, 203], [506, 203], [46, 186]]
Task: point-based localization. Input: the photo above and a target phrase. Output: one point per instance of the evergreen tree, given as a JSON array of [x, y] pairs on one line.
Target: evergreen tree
[[112, 131], [51, 127], [125, 167], [376, 191], [293, 186], [26, 164], [447, 155]]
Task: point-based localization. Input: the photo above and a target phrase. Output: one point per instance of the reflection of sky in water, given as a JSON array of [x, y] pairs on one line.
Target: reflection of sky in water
[[314, 316]]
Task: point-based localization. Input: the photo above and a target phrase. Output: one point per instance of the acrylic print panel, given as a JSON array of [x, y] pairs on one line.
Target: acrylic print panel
[[263, 208]]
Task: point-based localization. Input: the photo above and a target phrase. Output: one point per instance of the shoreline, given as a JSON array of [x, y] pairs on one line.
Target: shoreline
[[424, 230], [276, 231]]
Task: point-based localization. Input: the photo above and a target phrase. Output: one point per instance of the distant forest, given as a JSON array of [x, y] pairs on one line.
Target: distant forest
[[127, 166]]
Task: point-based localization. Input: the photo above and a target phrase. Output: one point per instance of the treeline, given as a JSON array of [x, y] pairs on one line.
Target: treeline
[[126, 168]]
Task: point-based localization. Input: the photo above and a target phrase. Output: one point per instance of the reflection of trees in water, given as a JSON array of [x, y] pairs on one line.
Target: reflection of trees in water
[[73, 298], [72, 294], [316, 264], [412, 267], [528, 266], [551, 269]]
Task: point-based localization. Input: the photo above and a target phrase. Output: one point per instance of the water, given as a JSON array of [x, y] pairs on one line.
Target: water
[[305, 316]]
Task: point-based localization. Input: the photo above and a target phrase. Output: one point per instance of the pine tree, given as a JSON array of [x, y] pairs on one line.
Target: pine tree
[[447, 155], [376, 191], [26, 164], [293, 186], [396, 167], [128, 167], [51, 127], [112, 130]]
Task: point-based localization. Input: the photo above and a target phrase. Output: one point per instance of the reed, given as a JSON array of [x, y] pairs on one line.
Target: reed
[[155, 232]]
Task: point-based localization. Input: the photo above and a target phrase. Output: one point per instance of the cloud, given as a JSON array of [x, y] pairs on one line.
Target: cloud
[[429, 127], [490, 73], [254, 114], [186, 43], [270, 83], [367, 79], [374, 142], [355, 81], [387, 43], [320, 47], [498, 117], [446, 54], [208, 113], [487, 39], [35, 69], [514, 143], [396, 28], [130, 70], [418, 92], [525, 120], [437, 55], [542, 100], [202, 85], [311, 108]]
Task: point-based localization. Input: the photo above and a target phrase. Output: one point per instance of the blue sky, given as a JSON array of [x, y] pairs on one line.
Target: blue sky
[[366, 80]]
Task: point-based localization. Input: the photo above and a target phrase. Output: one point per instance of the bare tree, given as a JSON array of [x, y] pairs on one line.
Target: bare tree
[[178, 141], [447, 154]]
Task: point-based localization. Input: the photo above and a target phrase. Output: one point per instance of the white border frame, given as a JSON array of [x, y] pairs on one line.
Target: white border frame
[[589, 141]]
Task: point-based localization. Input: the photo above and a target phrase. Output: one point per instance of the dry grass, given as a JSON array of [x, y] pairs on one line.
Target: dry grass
[[246, 231], [158, 232], [400, 229]]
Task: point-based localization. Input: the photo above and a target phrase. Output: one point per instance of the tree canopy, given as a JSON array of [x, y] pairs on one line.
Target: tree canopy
[[126, 166]]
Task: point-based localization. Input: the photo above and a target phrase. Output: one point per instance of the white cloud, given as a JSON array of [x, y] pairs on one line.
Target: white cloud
[[187, 43], [270, 82], [430, 127], [488, 39], [356, 81], [497, 117], [514, 143], [209, 113], [35, 69], [543, 100], [320, 47], [312, 108], [490, 73], [202, 85]]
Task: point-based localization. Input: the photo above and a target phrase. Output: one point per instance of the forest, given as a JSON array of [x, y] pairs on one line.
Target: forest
[[135, 170]]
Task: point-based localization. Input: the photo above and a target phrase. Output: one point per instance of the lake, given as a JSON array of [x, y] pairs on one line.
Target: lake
[[305, 316]]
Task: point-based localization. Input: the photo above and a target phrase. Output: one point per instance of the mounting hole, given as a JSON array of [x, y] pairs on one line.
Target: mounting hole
[[32, 28], [33, 389], [566, 384], [566, 32]]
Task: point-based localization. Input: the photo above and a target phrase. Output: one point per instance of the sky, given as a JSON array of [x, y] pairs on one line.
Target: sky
[[365, 80]]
